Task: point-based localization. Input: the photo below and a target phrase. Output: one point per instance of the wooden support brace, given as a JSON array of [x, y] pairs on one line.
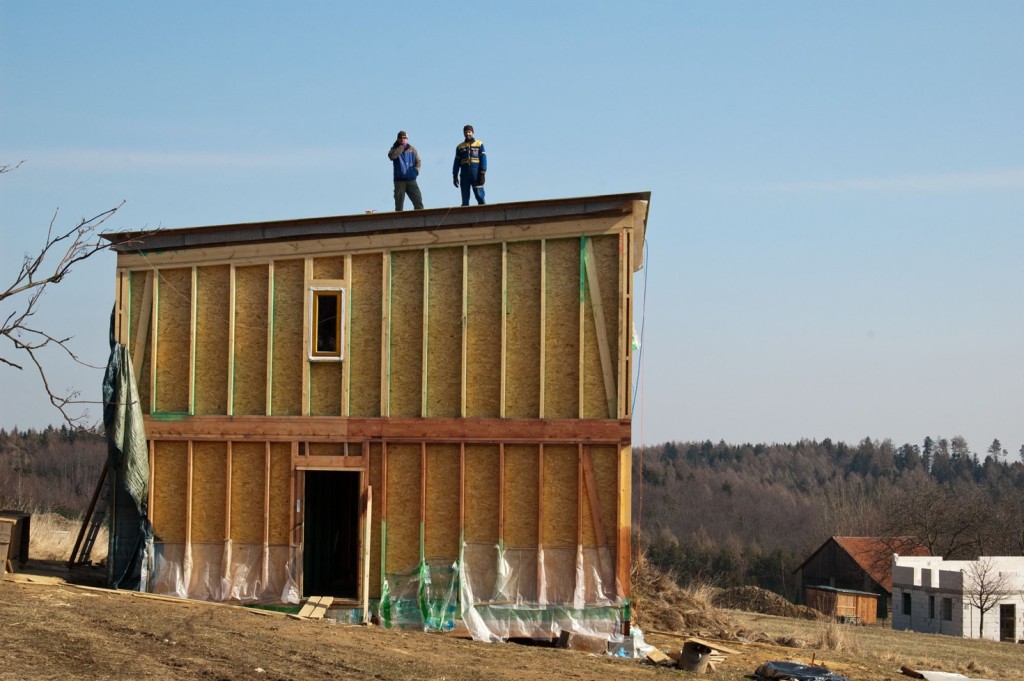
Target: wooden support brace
[[142, 334], [597, 310]]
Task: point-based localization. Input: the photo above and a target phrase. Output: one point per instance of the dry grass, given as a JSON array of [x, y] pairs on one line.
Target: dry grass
[[52, 537], [660, 604], [833, 637]]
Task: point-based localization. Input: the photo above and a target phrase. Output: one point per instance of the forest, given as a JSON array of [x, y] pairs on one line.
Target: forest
[[750, 514], [722, 514]]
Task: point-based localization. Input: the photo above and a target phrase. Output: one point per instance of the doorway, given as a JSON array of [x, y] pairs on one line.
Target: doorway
[[330, 554], [1007, 622]]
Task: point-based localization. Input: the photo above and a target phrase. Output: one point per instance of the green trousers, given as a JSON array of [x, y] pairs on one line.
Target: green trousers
[[403, 187]]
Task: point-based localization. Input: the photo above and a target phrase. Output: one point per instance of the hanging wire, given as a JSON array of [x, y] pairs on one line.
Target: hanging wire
[[637, 390]]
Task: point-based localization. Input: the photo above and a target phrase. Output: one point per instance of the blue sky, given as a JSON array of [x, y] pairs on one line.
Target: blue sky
[[837, 222]]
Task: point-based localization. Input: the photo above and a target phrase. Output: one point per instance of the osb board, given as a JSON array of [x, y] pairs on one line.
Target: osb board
[[364, 353], [250, 365], [406, 347], [482, 493], [562, 329], [606, 476], [375, 520], [286, 372], [174, 322], [333, 449], [209, 490], [403, 548], [522, 343], [330, 267], [170, 480], [212, 327], [441, 529], [280, 492], [606, 256], [483, 332], [248, 472], [137, 292], [560, 495], [325, 388], [444, 333], [521, 497]]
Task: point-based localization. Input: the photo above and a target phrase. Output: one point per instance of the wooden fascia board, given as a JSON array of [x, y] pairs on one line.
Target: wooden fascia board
[[339, 428]]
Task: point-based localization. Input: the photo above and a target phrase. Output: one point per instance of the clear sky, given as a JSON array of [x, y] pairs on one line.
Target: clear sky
[[836, 234]]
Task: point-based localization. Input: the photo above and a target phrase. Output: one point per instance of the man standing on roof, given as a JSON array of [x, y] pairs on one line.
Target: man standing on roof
[[470, 167], [406, 161]]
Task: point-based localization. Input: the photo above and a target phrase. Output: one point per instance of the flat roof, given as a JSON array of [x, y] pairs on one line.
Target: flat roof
[[375, 223]]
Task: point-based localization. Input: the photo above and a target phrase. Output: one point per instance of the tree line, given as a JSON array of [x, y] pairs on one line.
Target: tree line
[[54, 469], [750, 514]]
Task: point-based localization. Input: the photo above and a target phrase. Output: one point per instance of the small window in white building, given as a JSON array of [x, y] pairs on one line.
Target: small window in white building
[[931, 607], [947, 609], [906, 603], [327, 309]]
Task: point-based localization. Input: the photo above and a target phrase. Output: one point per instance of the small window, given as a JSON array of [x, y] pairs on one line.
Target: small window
[[947, 609], [327, 309], [906, 603], [931, 607]]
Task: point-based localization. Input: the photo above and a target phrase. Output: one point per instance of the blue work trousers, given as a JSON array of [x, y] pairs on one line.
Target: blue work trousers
[[467, 179]]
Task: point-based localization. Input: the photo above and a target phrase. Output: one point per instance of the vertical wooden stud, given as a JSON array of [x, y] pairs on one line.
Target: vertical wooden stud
[[154, 324], [383, 511], [227, 517], [423, 502], [424, 377], [504, 325], [346, 364], [232, 295], [385, 339], [152, 479], [307, 322], [543, 323], [541, 582], [597, 314], [465, 329], [266, 513], [270, 340], [145, 321], [192, 342], [581, 373], [188, 509]]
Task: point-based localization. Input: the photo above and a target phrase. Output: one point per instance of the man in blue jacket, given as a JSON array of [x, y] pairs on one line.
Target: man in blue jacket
[[406, 161], [470, 167]]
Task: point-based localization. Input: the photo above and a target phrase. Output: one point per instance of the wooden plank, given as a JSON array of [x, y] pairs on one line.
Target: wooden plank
[[597, 311], [624, 330], [383, 511], [465, 332], [623, 551], [153, 340], [265, 576], [188, 502], [501, 494], [232, 295], [385, 338], [142, 333], [543, 324], [152, 480], [320, 462], [262, 253], [339, 428], [367, 542], [269, 389], [590, 482], [226, 572], [192, 341], [581, 376], [307, 279], [504, 324], [425, 341], [346, 366], [541, 582]]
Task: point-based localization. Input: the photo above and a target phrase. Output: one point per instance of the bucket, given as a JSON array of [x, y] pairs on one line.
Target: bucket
[[694, 657]]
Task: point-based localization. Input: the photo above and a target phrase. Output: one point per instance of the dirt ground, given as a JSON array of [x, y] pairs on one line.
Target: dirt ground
[[52, 629]]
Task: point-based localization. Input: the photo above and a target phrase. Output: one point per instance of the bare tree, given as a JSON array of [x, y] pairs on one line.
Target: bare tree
[[984, 587], [61, 251]]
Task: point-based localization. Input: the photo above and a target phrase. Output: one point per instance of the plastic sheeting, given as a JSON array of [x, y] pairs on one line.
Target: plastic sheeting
[[131, 534], [501, 593], [255, 573]]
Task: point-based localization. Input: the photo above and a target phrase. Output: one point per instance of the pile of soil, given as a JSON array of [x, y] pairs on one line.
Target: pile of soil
[[660, 604], [756, 599]]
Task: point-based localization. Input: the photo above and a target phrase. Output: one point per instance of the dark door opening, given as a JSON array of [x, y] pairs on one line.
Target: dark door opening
[[330, 554], [1007, 622]]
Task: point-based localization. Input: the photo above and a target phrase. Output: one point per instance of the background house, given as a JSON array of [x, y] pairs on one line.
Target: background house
[[855, 563], [940, 596]]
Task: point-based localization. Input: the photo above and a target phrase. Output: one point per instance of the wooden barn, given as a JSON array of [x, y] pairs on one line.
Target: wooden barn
[[425, 415], [845, 605]]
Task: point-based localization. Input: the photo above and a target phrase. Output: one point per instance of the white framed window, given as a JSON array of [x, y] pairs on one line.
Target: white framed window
[[326, 330]]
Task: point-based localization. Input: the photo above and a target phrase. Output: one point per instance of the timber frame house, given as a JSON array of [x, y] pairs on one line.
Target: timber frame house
[[425, 415]]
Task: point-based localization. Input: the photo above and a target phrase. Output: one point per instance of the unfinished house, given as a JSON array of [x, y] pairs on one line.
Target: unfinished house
[[981, 598], [424, 415]]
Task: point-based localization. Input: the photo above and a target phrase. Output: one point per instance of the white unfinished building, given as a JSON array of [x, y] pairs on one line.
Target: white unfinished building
[[981, 598]]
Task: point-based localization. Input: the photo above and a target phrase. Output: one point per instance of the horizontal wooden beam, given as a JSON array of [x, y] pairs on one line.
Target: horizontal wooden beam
[[342, 429], [315, 462]]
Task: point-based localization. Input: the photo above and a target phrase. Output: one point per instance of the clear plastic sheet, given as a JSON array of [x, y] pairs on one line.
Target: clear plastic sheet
[[256, 574]]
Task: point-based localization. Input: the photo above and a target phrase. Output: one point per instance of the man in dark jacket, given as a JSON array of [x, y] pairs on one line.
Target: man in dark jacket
[[406, 161], [470, 167]]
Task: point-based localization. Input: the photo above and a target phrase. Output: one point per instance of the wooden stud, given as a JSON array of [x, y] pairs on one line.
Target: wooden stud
[[270, 340], [383, 511], [541, 583], [266, 514], [543, 322], [501, 494], [423, 501], [192, 342], [291, 495], [424, 364], [365, 556], [580, 588], [307, 321], [152, 479], [624, 328], [141, 336], [188, 507], [627, 339], [504, 325], [623, 547], [385, 339], [597, 314], [154, 324], [122, 302], [227, 516], [582, 373], [465, 329], [232, 295], [346, 365], [462, 489]]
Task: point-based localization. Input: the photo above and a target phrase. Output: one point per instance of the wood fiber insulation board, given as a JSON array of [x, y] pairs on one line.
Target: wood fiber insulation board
[[560, 495], [364, 354], [170, 480], [403, 548], [521, 495], [441, 528], [173, 365], [332, 449], [406, 347], [606, 475], [375, 470], [250, 365], [212, 352], [325, 388], [483, 333], [606, 255], [248, 474], [209, 491], [280, 493], [329, 267], [482, 493], [562, 329], [444, 333], [289, 299], [522, 343], [138, 287]]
